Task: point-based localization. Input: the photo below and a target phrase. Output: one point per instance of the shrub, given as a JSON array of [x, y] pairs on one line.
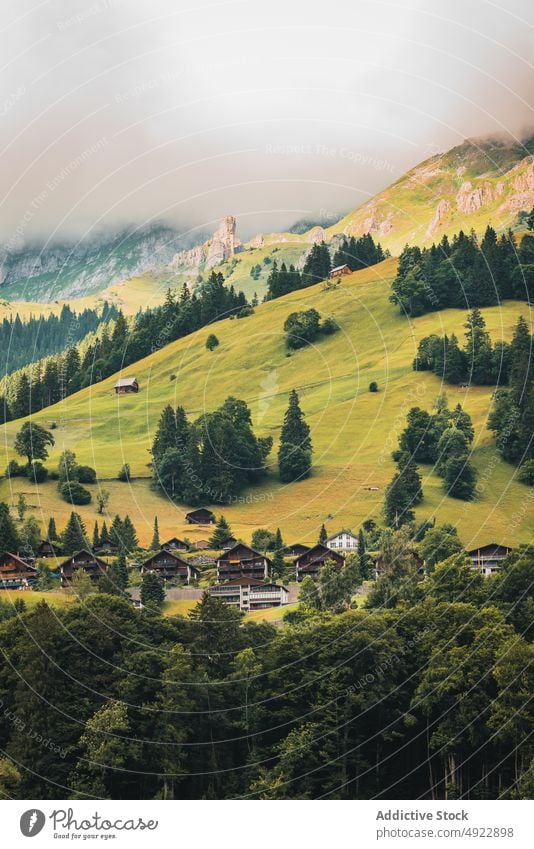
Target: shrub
[[74, 493], [15, 470], [124, 474], [329, 326], [85, 474], [37, 472], [212, 342], [373, 386], [244, 312], [53, 475]]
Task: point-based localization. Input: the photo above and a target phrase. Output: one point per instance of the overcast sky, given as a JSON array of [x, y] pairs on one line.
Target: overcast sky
[[119, 111]]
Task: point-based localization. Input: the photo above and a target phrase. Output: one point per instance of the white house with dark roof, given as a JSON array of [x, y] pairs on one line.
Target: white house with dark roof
[[342, 541]]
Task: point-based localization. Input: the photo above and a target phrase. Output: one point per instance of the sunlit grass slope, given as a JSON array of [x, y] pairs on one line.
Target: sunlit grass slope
[[353, 430]]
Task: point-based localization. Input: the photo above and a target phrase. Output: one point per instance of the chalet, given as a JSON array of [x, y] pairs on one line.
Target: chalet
[[311, 561], [49, 549], [169, 566], [200, 545], [339, 270], [174, 544], [296, 550], [126, 386], [109, 547], [90, 563], [241, 561], [342, 541], [201, 516], [487, 559], [15, 573], [249, 594]]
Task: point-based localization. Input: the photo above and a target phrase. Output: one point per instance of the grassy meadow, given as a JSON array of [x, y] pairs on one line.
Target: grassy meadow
[[353, 430]]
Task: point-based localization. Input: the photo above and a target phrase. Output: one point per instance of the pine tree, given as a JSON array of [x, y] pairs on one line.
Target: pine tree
[[220, 534], [104, 535], [51, 533], [9, 538], [152, 592], [155, 544], [323, 536], [129, 535], [74, 536], [295, 452], [96, 537]]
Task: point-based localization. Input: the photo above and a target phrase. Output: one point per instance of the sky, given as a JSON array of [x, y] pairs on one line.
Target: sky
[[120, 112]]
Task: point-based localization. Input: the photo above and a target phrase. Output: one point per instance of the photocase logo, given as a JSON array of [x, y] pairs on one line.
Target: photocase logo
[[32, 822]]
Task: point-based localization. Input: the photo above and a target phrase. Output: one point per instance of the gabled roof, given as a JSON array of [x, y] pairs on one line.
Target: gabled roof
[[200, 510], [18, 560], [490, 546], [166, 553], [88, 553], [318, 552], [125, 381], [247, 547], [173, 539], [339, 267], [342, 531]]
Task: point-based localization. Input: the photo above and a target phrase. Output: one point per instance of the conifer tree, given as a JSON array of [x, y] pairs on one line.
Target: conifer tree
[[51, 533], [295, 452], [155, 544], [9, 538], [152, 592], [221, 533], [323, 536], [74, 536], [96, 537]]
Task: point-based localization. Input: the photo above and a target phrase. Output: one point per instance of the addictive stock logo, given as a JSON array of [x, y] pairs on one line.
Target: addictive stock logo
[[32, 822]]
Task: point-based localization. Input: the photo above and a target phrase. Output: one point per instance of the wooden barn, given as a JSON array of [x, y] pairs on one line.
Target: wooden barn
[[49, 549], [90, 563], [174, 544], [339, 271], [311, 561], [169, 567], [201, 516], [241, 561], [15, 573], [126, 386]]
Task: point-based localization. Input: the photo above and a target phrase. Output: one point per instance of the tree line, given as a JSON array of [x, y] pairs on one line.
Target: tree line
[[464, 273], [356, 253], [25, 342]]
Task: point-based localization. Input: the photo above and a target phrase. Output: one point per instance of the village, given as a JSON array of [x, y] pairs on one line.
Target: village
[[229, 570]]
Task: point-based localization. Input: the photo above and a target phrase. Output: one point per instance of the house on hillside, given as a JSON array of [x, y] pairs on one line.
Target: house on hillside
[[201, 516], [339, 271], [241, 561], [174, 544], [342, 541], [296, 550], [15, 573], [92, 565], [49, 549], [249, 594], [126, 386], [169, 567], [487, 559], [200, 545], [311, 561]]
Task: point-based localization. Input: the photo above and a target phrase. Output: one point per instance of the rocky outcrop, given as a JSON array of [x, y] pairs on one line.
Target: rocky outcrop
[[222, 246], [470, 198], [257, 241], [525, 182], [441, 210]]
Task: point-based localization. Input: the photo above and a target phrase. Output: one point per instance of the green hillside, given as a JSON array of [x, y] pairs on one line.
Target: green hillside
[[353, 430]]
